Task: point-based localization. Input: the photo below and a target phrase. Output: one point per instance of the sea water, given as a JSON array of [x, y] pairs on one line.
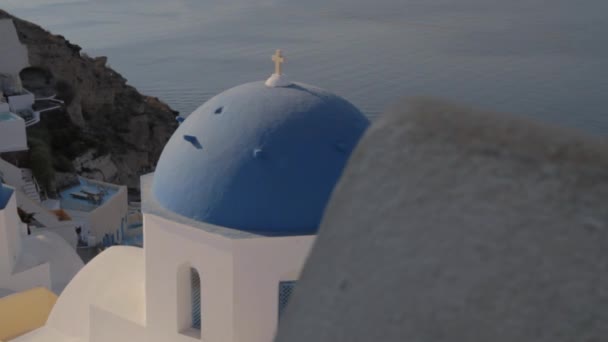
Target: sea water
[[546, 60]]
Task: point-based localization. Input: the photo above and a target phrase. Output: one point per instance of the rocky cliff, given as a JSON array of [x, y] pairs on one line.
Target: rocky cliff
[[107, 130]]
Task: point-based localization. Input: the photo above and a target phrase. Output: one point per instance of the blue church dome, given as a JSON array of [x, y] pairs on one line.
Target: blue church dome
[[258, 158]]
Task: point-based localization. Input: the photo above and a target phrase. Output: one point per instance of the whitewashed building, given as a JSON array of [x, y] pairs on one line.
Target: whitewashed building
[[13, 96], [230, 215], [12, 131], [98, 208], [26, 261]]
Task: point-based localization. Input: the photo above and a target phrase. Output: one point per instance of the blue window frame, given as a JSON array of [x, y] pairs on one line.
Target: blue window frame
[[285, 290], [195, 288]]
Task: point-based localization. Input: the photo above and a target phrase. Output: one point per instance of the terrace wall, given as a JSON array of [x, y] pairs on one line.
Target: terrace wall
[[108, 217], [12, 134]]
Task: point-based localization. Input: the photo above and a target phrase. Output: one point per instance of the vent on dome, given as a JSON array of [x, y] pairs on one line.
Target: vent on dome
[[193, 140]]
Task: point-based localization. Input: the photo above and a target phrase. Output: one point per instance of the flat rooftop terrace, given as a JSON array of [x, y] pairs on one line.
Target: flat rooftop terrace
[[86, 196]]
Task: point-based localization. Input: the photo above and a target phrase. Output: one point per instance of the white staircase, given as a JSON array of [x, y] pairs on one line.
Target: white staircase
[[30, 186], [21, 179], [31, 119]]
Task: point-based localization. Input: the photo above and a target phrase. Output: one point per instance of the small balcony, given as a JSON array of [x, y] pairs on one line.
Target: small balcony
[[29, 107]]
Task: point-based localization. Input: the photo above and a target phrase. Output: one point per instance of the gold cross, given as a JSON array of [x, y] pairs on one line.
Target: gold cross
[[278, 59]]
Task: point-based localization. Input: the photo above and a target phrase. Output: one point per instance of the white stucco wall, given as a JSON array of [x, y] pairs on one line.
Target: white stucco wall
[[66, 230], [107, 218], [12, 276], [239, 279], [122, 330], [131, 294], [21, 102], [41, 259], [112, 281], [259, 265], [10, 238], [47, 247], [12, 175], [37, 276], [170, 246], [14, 54], [12, 134]]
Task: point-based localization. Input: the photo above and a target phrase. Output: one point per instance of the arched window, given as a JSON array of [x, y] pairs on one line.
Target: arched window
[[189, 306], [195, 297]]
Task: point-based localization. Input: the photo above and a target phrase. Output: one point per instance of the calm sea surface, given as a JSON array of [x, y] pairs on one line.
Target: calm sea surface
[[544, 59]]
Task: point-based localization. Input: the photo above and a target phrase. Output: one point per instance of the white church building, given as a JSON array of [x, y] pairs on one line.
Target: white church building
[[230, 215]]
